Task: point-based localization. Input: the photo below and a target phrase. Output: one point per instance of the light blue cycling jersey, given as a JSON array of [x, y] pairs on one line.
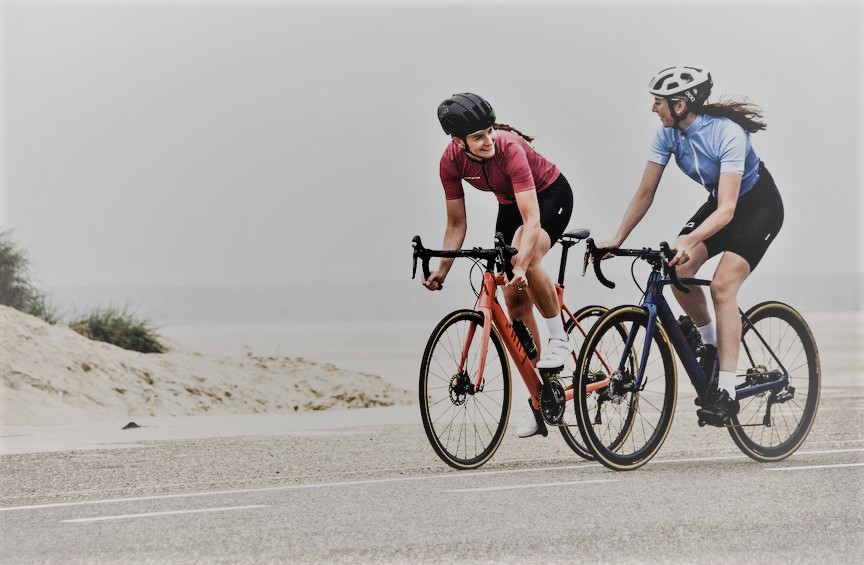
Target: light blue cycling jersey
[[709, 146]]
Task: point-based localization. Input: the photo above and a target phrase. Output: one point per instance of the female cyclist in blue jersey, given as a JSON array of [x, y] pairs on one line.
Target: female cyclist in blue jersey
[[744, 211], [534, 206]]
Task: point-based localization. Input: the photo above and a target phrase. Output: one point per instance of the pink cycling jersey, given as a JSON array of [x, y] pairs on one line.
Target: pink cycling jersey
[[516, 167]]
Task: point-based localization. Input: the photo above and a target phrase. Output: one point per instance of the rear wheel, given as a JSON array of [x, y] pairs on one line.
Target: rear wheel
[[624, 423], [463, 422], [771, 425], [585, 318]]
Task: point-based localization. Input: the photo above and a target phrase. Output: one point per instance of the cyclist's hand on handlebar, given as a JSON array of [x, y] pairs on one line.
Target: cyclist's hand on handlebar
[[519, 280], [611, 244], [683, 248], [435, 280]]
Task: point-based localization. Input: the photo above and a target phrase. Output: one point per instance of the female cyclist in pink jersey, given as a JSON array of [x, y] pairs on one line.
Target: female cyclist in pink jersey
[[534, 206]]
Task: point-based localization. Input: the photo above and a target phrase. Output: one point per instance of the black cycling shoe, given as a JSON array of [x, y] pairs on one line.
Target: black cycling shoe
[[718, 410], [708, 362]]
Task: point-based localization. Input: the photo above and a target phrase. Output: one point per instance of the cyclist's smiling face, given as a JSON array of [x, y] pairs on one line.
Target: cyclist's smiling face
[[661, 108], [482, 143]]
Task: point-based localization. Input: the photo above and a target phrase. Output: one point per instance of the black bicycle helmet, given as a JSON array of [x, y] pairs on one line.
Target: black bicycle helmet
[[465, 113]]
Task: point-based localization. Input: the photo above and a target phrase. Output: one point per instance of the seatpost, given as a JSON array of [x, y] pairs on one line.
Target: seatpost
[[565, 247]]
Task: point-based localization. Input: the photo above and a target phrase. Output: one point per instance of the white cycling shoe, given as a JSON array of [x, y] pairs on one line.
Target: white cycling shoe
[[555, 354], [529, 425]]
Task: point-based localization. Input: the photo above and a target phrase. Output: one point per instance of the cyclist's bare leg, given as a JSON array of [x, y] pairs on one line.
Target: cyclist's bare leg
[[540, 287], [520, 304], [540, 292], [728, 278], [694, 302]]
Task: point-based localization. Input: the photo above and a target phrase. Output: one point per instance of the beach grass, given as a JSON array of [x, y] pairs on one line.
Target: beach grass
[[116, 326], [17, 289], [121, 328]]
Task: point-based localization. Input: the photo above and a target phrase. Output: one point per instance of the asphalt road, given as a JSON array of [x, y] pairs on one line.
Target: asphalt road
[[370, 494]]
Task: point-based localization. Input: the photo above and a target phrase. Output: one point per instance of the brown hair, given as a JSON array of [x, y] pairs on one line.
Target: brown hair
[[505, 127], [743, 113]]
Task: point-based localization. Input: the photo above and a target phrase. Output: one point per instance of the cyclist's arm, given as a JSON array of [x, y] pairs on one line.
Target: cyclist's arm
[[727, 198], [454, 233], [639, 204]]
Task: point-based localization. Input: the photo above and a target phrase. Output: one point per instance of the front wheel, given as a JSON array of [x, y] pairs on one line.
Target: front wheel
[[771, 425], [464, 419], [624, 421]]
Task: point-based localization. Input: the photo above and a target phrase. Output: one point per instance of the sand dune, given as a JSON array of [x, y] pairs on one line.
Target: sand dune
[[51, 375]]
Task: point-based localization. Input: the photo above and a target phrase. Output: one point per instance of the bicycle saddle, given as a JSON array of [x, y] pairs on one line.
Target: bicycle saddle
[[577, 234]]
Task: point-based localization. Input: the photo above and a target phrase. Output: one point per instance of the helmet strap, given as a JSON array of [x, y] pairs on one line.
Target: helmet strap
[[468, 151], [677, 119]]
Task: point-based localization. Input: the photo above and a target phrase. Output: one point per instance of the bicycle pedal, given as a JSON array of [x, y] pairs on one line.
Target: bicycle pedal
[[711, 419]]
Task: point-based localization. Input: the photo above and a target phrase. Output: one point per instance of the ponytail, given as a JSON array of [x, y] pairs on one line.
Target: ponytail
[[505, 127], [743, 113]]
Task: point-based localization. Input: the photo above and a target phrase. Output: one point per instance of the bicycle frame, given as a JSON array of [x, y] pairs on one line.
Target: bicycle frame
[[655, 304], [488, 305], [493, 314]]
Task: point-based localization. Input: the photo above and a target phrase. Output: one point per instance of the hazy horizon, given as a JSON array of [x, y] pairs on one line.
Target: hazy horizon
[[404, 300]]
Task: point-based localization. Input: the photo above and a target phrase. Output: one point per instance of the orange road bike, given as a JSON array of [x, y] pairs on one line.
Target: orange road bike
[[465, 386]]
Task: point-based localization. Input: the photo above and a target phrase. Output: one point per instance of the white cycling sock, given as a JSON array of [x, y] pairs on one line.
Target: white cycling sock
[[727, 383], [556, 328], [709, 336]]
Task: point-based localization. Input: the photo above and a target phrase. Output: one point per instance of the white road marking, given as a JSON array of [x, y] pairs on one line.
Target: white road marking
[[806, 467], [742, 456], [537, 485], [167, 513], [455, 475], [291, 487]]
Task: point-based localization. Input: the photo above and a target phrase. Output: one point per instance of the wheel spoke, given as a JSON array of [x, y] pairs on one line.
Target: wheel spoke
[[464, 425], [788, 336], [633, 423]]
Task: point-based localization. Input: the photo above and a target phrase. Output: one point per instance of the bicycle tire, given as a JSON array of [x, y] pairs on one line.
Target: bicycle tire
[[626, 438], [570, 428], [790, 338], [464, 428]]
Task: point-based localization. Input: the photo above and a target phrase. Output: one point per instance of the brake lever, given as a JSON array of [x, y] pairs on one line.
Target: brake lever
[[589, 243], [668, 254], [505, 253], [596, 259], [415, 243], [420, 251]]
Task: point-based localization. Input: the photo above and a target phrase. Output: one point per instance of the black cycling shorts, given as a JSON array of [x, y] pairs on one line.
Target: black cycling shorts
[[556, 206], [757, 219]]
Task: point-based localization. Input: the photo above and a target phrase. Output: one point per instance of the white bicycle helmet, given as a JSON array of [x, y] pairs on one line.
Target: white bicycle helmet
[[690, 83]]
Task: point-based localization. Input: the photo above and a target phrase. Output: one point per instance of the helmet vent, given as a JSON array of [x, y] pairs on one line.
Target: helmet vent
[[658, 84]]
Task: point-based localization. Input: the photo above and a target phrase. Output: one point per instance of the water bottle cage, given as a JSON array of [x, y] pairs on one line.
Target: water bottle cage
[[692, 335]]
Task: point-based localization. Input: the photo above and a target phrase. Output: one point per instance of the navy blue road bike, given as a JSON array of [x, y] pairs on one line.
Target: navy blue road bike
[[778, 373]]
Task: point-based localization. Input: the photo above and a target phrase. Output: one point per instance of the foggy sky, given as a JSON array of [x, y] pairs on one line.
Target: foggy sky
[[187, 143]]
